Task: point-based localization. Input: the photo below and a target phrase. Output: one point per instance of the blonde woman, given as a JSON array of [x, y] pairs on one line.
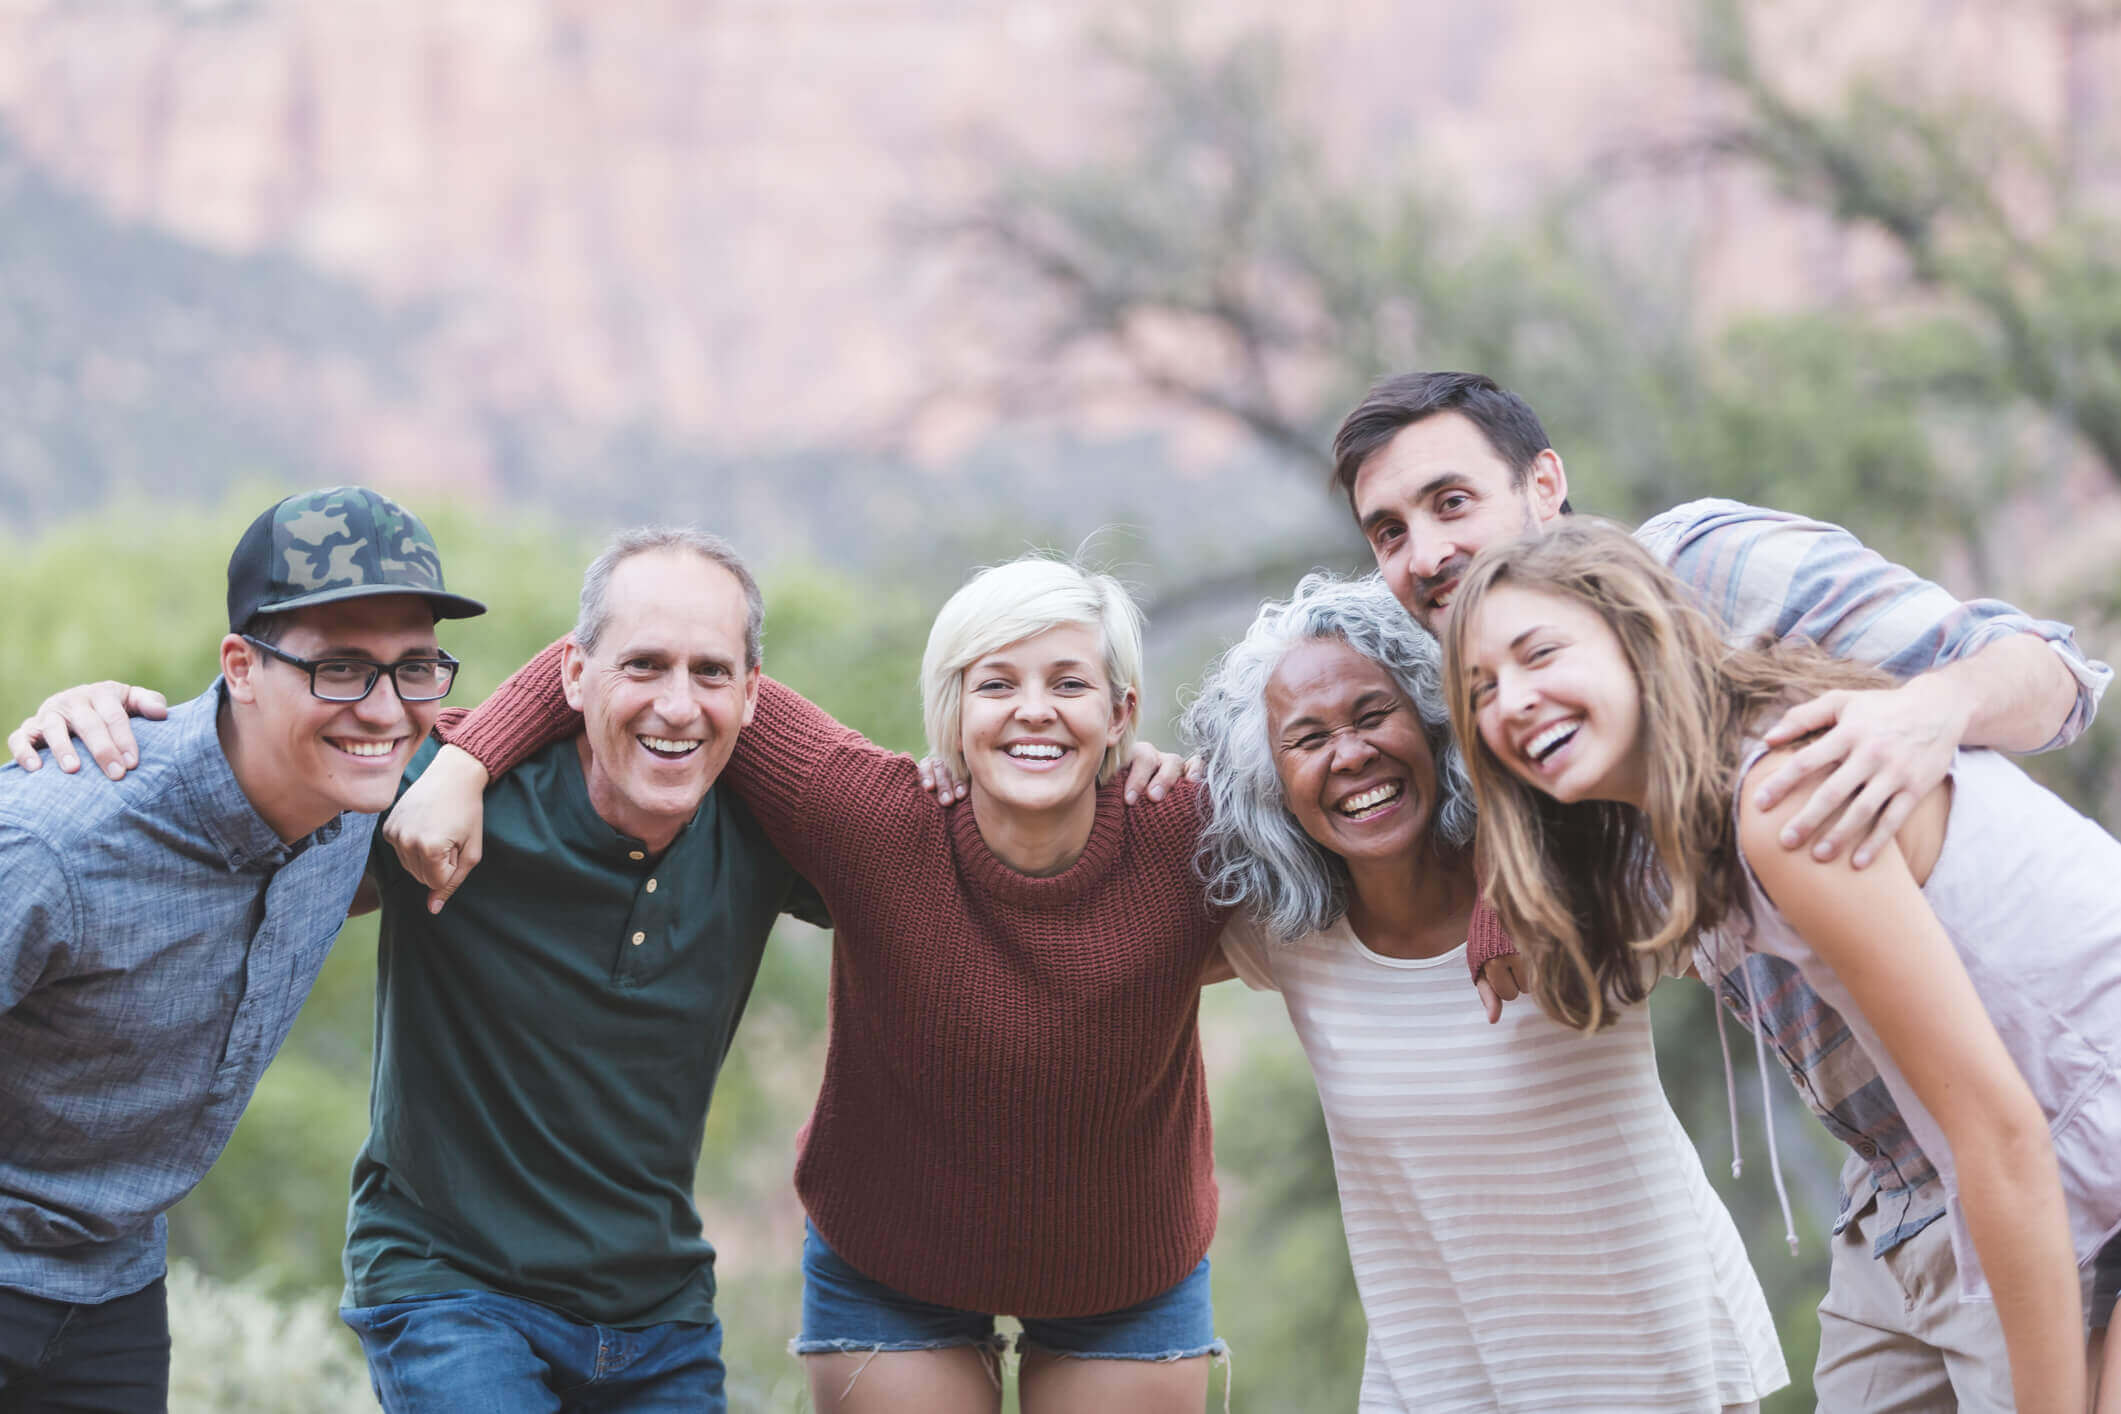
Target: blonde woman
[[1976, 963], [1013, 1118]]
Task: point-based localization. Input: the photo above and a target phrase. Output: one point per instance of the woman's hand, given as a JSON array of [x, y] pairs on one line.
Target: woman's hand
[[1503, 979], [438, 825], [98, 714]]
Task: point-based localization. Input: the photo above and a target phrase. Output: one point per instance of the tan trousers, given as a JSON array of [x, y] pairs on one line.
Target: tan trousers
[[1894, 1337]]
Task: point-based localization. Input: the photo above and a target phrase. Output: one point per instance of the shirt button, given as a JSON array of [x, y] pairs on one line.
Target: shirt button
[[1867, 1149], [639, 938], [635, 854], [651, 886]]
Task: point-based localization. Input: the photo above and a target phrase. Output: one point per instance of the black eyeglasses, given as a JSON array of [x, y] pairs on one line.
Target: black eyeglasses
[[352, 679]]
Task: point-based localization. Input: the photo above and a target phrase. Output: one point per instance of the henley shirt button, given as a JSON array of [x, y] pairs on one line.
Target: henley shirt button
[[639, 938], [635, 854], [651, 886]]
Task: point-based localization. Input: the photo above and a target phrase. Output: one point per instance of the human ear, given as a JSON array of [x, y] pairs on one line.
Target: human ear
[[751, 694], [1548, 485], [573, 663], [1123, 710], [238, 662]]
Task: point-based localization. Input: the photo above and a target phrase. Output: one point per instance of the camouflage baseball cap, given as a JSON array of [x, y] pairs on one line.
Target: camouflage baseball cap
[[345, 543]]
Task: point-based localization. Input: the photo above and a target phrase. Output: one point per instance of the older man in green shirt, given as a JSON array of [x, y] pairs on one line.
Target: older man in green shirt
[[522, 1235]]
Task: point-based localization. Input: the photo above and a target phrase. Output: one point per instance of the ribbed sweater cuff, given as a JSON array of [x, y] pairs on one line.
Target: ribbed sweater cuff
[[1485, 940], [526, 712]]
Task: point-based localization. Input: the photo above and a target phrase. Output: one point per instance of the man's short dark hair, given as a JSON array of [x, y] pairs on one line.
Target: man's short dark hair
[[271, 628], [267, 628], [1398, 402]]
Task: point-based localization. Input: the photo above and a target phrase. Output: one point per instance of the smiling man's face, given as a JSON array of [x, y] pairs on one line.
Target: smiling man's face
[[312, 759], [664, 691], [1438, 494]]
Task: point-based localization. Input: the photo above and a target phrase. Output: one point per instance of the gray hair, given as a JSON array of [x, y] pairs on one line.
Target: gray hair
[[596, 584], [1253, 854]]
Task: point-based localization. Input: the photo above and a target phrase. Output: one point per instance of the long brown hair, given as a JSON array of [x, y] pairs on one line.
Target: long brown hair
[[1598, 894]]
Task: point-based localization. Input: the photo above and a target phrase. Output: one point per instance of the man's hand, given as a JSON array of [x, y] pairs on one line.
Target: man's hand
[[1146, 769], [1888, 747], [1503, 979], [95, 712], [438, 825]]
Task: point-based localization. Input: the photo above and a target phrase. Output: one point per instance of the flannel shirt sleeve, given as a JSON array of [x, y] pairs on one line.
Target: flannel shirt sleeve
[[1766, 572]]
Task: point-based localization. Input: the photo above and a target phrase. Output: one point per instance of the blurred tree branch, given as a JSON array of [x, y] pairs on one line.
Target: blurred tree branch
[[1984, 211], [1223, 268]]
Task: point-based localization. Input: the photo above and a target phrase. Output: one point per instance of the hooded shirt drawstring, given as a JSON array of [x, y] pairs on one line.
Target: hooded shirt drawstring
[[1730, 1091], [1767, 1101]]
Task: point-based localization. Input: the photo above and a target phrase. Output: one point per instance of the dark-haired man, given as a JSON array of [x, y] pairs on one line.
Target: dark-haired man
[[158, 933], [1438, 466]]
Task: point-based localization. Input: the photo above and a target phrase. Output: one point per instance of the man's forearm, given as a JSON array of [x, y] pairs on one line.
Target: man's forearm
[[2016, 692]]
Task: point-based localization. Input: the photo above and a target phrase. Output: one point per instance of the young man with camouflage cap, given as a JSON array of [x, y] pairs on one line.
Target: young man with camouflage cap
[[158, 933]]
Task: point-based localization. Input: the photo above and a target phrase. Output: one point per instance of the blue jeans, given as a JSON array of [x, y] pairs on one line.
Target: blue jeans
[[479, 1352], [846, 1312]]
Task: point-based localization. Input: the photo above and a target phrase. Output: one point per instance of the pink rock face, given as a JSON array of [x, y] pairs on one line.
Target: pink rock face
[[693, 217]]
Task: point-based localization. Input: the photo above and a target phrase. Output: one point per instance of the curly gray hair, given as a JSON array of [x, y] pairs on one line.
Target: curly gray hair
[[1253, 854]]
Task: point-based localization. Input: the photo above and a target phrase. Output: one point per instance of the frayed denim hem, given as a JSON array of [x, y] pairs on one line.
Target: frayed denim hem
[[1218, 1350], [991, 1349], [995, 1344], [1164, 1357]]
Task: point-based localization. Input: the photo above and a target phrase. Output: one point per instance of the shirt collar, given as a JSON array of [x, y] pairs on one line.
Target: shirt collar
[[226, 815], [614, 844]]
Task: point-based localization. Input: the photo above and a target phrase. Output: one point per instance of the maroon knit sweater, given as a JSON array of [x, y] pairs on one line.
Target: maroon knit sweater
[[1013, 1117]]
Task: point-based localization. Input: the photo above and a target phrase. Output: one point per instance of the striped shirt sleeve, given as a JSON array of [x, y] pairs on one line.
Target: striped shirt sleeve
[[1770, 572], [1245, 945]]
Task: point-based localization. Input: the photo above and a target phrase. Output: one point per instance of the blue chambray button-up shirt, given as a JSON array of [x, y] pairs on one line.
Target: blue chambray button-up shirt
[[156, 940]]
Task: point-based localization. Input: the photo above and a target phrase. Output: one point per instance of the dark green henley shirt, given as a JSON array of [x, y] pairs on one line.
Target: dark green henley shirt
[[545, 1050]]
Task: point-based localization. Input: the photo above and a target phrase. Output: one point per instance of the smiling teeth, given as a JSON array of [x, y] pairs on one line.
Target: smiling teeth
[[366, 748], [670, 746], [1546, 741], [1036, 751], [1377, 795]]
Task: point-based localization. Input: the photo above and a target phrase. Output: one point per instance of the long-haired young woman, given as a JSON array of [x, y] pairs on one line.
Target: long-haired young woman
[[1977, 964]]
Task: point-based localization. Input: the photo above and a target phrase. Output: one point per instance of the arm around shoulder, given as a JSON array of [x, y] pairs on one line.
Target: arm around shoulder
[[804, 773], [526, 712]]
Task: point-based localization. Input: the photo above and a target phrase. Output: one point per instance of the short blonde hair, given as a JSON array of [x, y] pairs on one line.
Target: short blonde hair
[[1008, 603]]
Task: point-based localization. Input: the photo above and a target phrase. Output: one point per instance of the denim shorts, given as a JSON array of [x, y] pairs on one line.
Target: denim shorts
[[845, 1312]]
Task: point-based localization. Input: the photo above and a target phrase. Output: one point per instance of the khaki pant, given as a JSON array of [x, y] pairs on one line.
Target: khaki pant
[[1894, 1337]]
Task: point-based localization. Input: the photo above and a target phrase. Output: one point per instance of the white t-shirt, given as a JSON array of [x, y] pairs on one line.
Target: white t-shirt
[[1529, 1224]]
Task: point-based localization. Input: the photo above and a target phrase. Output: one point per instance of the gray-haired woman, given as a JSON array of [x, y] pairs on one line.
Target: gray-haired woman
[[1529, 1225]]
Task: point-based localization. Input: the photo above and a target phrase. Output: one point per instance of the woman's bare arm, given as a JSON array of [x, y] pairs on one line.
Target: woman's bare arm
[[1877, 932]]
